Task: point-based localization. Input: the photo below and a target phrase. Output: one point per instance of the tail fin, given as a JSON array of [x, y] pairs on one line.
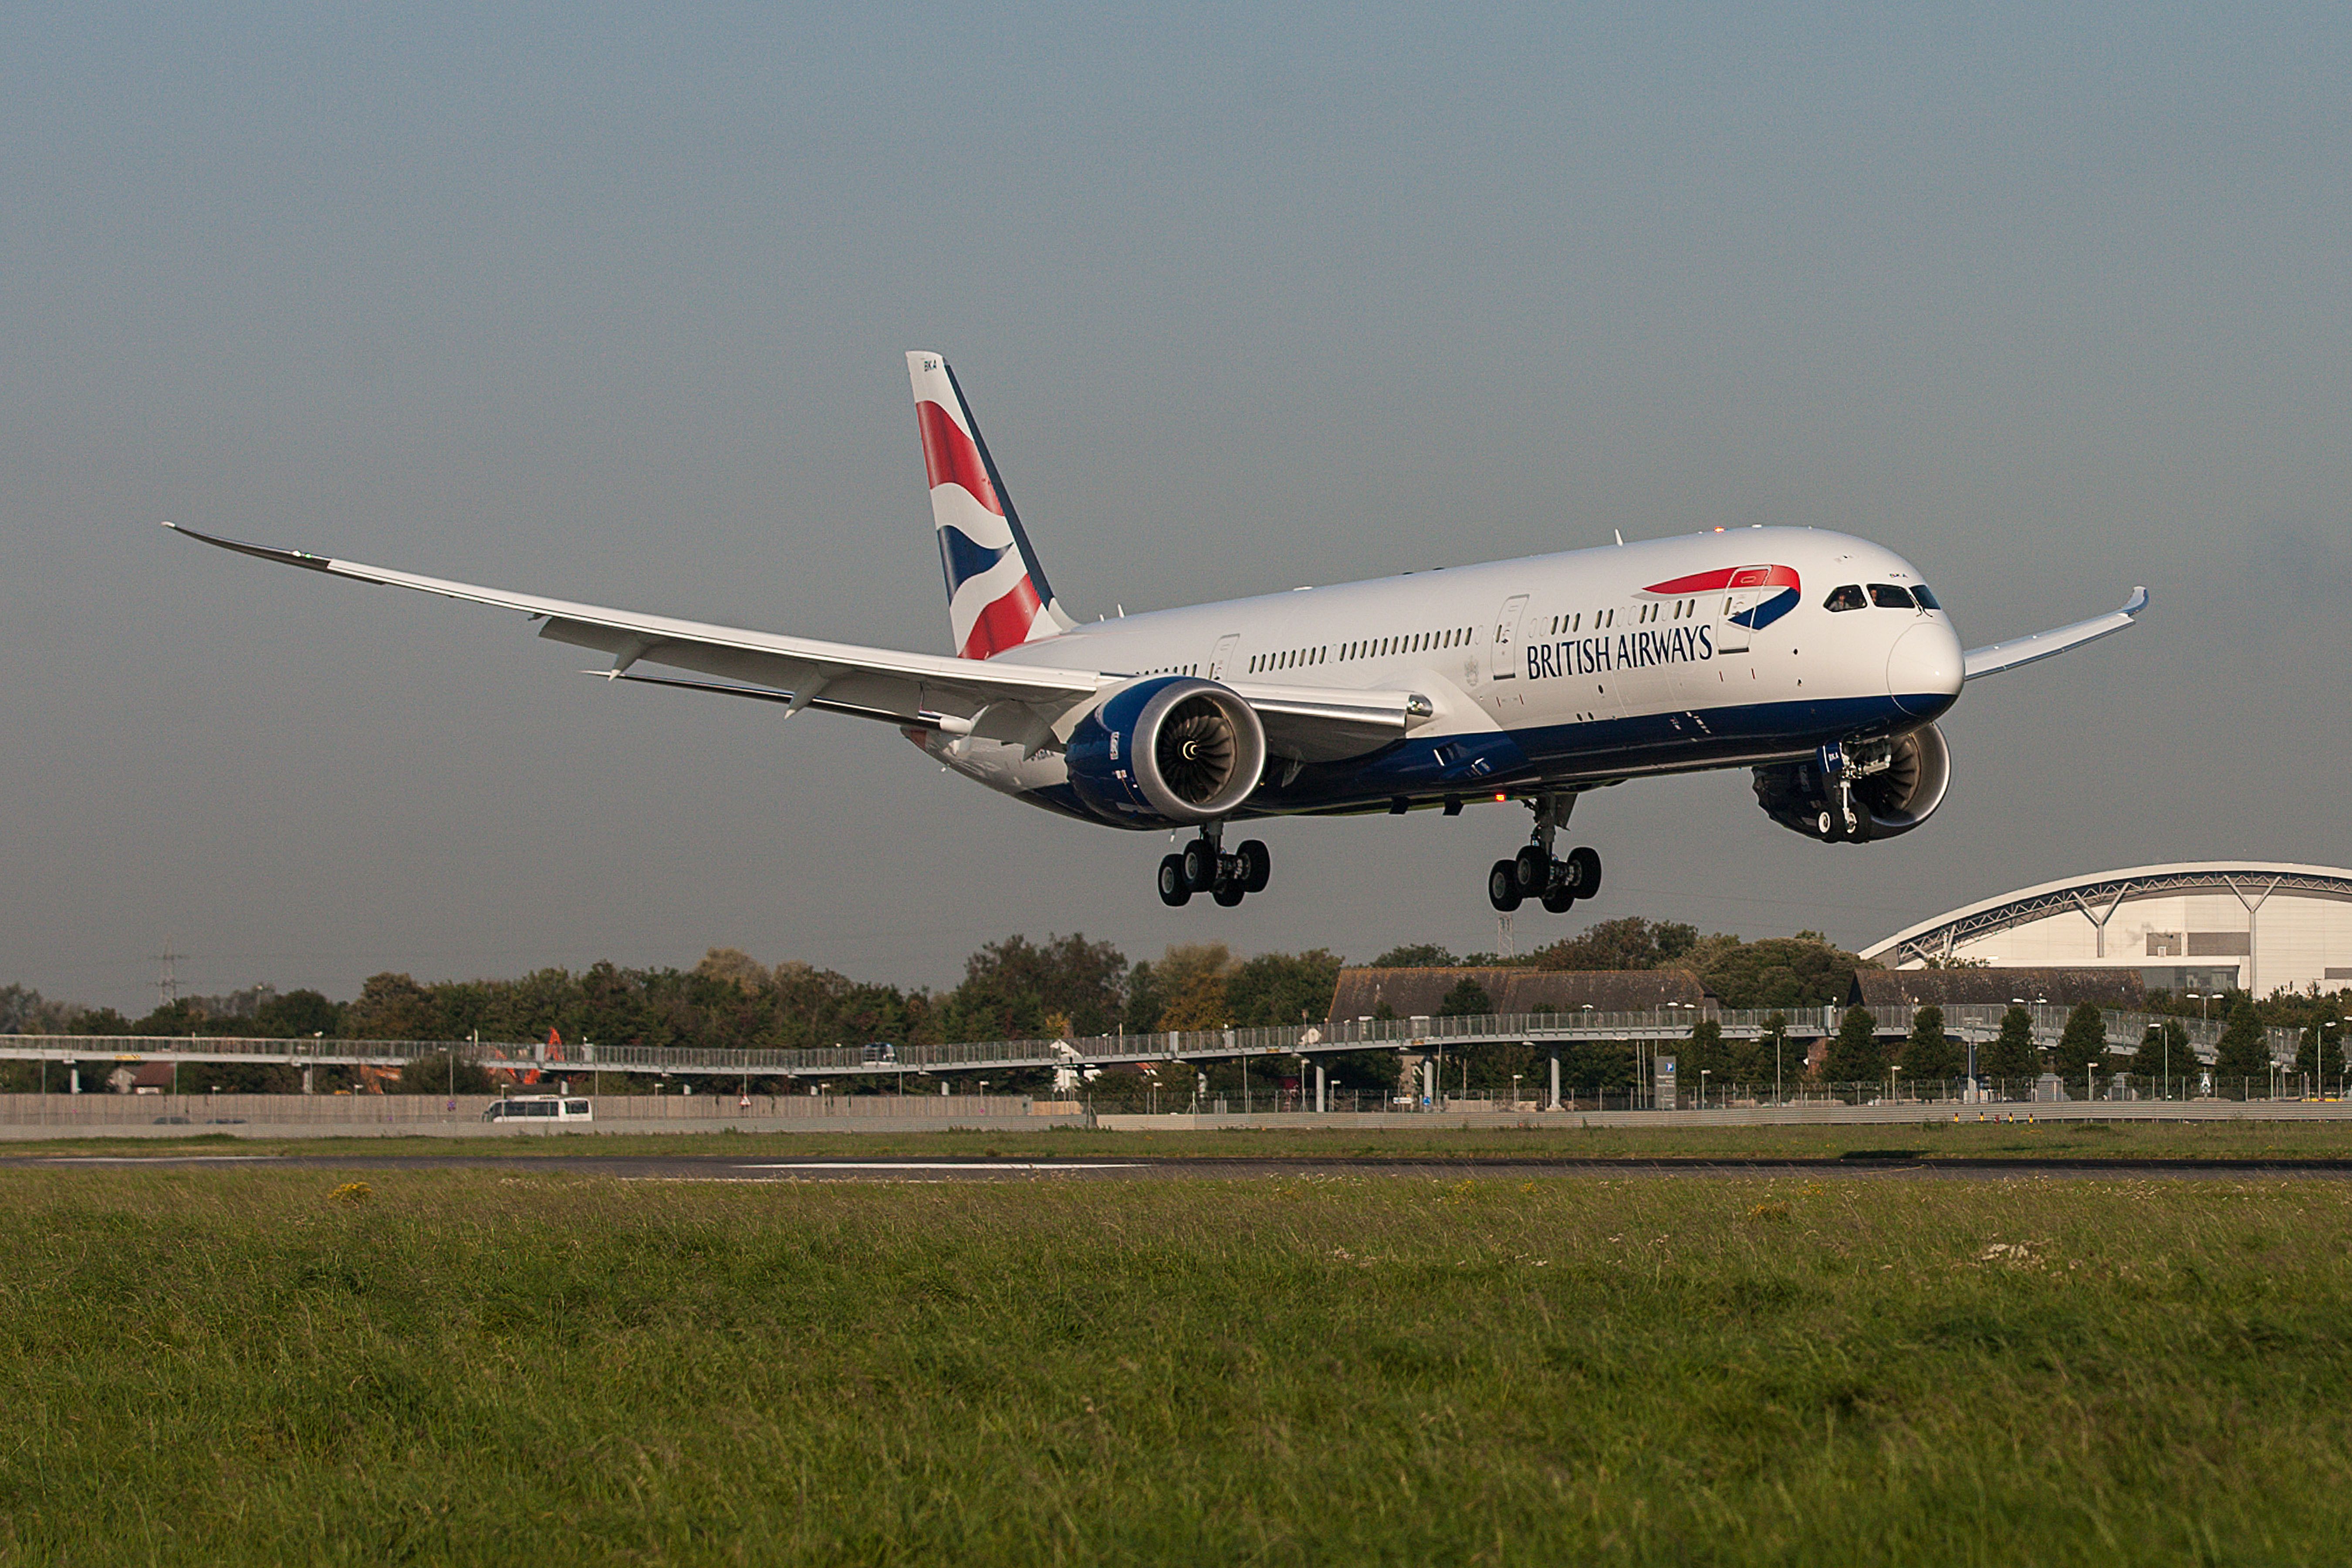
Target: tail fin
[[997, 594]]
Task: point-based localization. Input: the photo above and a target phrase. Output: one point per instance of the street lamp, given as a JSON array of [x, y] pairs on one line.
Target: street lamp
[[1702, 1087]]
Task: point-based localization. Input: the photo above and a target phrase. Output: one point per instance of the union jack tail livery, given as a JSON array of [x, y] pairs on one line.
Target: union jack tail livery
[[997, 594]]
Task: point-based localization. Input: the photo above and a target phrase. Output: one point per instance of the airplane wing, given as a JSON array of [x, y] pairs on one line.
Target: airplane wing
[[1996, 656], [991, 699]]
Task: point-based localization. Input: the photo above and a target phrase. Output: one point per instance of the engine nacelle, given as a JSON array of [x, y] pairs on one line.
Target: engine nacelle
[[1167, 750], [1892, 799]]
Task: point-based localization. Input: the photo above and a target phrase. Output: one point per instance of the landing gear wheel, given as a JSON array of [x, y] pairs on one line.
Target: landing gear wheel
[[1826, 824], [1559, 901], [1584, 871], [1503, 886], [1228, 894], [1535, 869], [1200, 865], [1175, 888], [1256, 863]]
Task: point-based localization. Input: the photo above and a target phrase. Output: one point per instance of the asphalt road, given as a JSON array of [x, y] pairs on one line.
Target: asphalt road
[[725, 1168]]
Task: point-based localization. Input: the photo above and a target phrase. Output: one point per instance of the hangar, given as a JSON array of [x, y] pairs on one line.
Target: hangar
[[2196, 927]]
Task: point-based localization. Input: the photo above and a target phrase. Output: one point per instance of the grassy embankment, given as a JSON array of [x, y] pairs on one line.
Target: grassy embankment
[[228, 1364], [1929, 1141]]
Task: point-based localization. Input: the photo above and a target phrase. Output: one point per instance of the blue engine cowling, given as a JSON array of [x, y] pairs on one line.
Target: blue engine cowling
[[1168, 749]]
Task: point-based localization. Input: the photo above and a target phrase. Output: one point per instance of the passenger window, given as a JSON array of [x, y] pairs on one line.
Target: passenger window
[[1846, 598], [1927, 600], [1891, 596]]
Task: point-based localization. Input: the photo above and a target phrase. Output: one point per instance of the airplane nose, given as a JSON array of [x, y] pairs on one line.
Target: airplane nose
[[1923, 669]]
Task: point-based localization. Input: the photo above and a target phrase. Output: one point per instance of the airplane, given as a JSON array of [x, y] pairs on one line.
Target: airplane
[[1817, 661]]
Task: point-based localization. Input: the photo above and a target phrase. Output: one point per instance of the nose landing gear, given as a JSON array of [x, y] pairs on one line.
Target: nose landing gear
[[1536, 873], [1203, 867]]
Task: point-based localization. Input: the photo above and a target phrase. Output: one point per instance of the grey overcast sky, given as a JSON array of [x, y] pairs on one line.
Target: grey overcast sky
[[609, 303]]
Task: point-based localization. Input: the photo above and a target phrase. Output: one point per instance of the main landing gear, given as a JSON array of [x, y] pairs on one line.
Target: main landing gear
[[1535, 873], [1204, 868]]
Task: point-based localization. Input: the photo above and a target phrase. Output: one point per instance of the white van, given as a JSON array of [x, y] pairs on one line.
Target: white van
[[539, 1107]]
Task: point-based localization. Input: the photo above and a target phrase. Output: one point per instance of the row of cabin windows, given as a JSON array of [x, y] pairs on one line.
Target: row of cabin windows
[[1681, 610], [1172, 669], [1370, 647]]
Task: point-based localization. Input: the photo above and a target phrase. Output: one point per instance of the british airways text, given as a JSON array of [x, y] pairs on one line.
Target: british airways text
[[1632, 650]]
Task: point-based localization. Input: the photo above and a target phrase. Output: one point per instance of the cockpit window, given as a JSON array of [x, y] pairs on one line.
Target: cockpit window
[[1927, 600], [1846, 598], [1892, 596]]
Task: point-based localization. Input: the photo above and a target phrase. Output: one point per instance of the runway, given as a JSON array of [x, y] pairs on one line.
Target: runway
[[1876, 1166]]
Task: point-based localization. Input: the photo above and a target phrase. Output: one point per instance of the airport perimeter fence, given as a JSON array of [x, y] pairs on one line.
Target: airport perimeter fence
[[613, 1112]]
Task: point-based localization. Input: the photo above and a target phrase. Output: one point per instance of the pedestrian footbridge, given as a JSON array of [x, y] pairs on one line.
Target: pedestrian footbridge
[[1966, 1023]]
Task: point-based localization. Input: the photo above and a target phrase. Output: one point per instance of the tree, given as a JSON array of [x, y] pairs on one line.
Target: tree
[[297, 1015], [392, 1007], [733, 967], [2320, 1053], [2241, 1066], [1418, 956], [2083, 1046], [431, 1075], [1012, 987], [1283, 987], [1802, 971], [1931, 1055], [1631, 943], [2164, 1052], [1854, 1056], [1468, 999], [2011, 1058], [1191, 978], [1725, 1062]]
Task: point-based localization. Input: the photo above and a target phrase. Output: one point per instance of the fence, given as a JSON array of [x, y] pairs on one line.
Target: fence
[[199, 1111]]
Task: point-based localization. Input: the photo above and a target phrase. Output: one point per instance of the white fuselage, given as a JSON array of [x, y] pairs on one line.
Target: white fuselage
[[1718, 649]]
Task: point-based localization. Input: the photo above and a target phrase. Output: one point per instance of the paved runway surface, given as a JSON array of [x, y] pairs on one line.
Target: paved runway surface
[[722, 1168]]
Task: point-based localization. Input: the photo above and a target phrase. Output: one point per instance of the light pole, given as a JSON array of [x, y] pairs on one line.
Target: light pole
[[1779, 1098], [1702, 1087]]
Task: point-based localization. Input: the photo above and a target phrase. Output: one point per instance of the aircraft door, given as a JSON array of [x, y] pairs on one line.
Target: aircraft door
[[1504, 663], [1223, 655], [1747, 590]]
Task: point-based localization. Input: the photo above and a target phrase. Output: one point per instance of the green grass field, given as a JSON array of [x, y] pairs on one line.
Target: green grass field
[[1931, 1141], [503, 1365]]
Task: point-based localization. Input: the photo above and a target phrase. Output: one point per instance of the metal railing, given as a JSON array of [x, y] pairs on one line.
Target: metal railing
[[1965, 1022]]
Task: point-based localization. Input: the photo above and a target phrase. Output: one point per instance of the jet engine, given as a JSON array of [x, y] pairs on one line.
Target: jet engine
[[1168, 749], [1894, 785]]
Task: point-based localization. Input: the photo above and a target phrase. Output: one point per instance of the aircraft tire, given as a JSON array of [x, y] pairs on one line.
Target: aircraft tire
[[1257, 865], [1534, 868], [1584, 870], [1175, 888], [1228, 894], [1200, 863], [1558, 901], [1503, 886]]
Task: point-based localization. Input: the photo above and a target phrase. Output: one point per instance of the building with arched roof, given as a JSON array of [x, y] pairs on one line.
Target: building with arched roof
[[2197, 926]]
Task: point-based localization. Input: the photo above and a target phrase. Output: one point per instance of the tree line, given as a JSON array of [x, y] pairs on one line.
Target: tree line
[[1069, 987]]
